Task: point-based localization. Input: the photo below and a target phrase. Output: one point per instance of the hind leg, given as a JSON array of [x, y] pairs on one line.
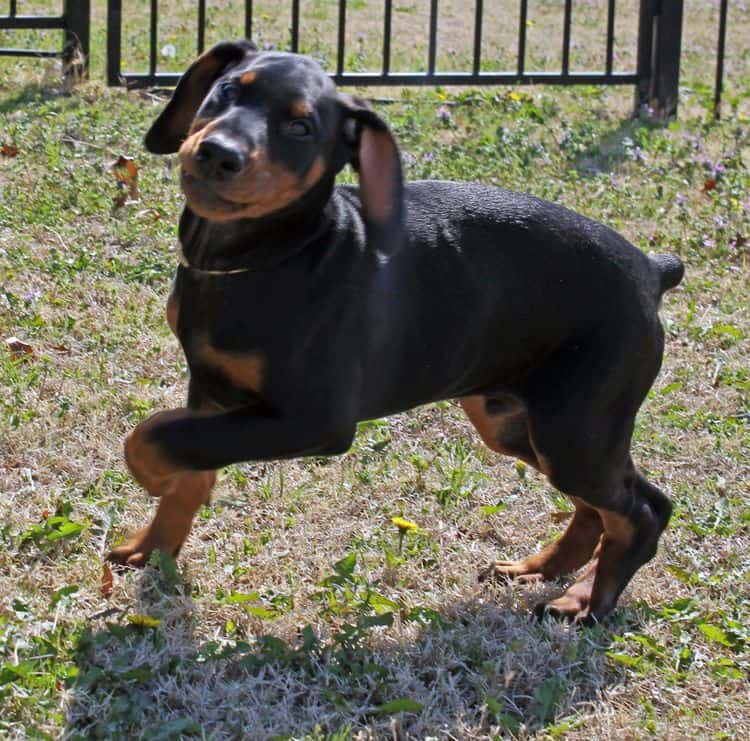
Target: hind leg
[[502, 422], [581, 433], [629, 540], [568, 553]]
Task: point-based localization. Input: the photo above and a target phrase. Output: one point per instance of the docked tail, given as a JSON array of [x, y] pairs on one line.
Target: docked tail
[[670, 270]]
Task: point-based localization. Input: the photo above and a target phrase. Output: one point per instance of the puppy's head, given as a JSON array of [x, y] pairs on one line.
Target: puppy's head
[[256, 131]]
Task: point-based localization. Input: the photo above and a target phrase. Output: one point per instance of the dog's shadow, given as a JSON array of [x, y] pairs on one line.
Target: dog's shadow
[[477, 666]]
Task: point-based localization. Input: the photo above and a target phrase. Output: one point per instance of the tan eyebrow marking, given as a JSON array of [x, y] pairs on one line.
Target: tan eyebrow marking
[[248, 78], [301, 108]]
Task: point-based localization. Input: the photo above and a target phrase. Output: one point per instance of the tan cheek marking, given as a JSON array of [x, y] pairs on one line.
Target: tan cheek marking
[[301, 108], [248, 78], [243, 370], [315, 172], [279, 188], [198, 124]]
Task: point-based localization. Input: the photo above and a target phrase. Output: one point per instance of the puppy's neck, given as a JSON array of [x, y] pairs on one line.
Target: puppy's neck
[[255, 244]]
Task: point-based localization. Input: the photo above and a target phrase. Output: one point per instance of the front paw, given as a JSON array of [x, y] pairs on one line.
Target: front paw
[[137, 549]]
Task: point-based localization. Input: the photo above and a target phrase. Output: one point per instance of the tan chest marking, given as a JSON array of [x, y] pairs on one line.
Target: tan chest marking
[[242, 370]]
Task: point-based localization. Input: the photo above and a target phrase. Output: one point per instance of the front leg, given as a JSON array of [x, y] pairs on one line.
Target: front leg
[[174, 455]]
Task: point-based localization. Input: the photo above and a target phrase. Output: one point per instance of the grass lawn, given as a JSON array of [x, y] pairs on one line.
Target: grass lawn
[[297, 608]]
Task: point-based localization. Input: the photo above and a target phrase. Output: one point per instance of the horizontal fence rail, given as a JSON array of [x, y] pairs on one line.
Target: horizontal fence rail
[[386, 76], [74, 21], [14, 22]]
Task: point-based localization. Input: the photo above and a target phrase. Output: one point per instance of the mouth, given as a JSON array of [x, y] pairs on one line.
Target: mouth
[[205, 201]]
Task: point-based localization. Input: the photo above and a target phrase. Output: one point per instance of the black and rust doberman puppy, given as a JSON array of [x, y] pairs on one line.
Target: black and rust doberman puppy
[[303, 307]]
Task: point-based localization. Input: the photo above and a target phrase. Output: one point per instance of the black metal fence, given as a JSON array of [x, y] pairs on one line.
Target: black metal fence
[[655, 77], [74, 21]]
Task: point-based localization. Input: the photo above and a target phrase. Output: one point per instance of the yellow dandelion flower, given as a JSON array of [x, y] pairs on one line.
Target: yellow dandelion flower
[[403, 524]]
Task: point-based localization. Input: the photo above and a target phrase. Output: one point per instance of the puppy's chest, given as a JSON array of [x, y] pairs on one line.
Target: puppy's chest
[[238, 348]]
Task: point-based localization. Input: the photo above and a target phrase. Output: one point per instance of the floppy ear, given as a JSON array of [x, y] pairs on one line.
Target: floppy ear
[[374, 154], [171, 128]]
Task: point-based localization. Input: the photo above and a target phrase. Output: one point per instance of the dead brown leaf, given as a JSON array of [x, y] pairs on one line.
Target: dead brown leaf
[[9, 150], [18, 347], [126, 173], [59, 348], [108, 581]]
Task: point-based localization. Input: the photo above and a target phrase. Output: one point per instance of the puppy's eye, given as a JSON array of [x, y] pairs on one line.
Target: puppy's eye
[[300, 128], [228, 91]]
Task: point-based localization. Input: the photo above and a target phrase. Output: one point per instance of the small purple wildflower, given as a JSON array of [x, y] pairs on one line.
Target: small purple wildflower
[[428, 156], [680, 199], [720, 221], [32, 295], [708, 242], [443, 115], [409, 158], [719, 168]]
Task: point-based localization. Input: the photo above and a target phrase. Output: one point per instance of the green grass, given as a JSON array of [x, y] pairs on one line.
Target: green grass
[[297, 608]]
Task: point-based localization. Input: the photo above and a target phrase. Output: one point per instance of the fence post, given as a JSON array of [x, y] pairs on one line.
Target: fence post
[[659, 45], [77, 14], [114, 41]]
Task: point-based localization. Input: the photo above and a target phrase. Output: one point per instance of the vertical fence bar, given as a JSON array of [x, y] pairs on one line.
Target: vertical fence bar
[[249, 19], [610, 36], [522, 36], [114, 41], [13, 10], [432, 49], [77, 14], [295, 25], [718, 89], [342, 38], [387, 23], [566, 37], [478, 36], [153, 37], [201, 26], [644, 61]]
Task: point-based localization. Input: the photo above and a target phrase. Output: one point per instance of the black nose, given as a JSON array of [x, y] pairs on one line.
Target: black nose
[[220, 158]]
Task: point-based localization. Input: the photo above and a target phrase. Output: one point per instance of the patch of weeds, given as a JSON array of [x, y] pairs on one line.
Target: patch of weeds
[[265, 605], [33, 672], [54, 529], [726, 638], [457, 468]]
